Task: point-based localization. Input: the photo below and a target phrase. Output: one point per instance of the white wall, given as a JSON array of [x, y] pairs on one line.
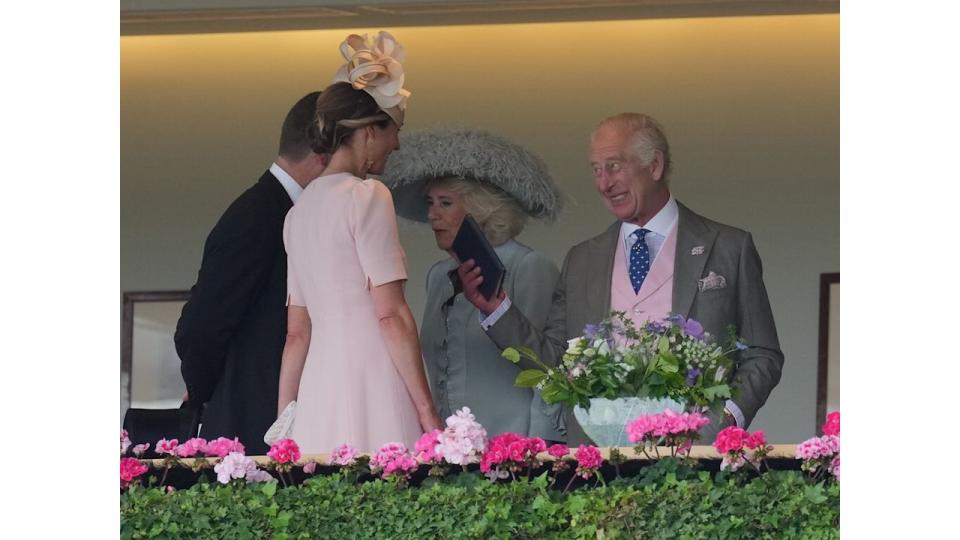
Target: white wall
[[750, 104]]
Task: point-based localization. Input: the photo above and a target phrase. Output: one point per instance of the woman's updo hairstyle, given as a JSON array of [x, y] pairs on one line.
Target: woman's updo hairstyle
[[340, 111]]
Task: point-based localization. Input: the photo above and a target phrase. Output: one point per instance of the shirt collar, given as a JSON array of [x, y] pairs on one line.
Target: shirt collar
[[293, 188], [661, 223]]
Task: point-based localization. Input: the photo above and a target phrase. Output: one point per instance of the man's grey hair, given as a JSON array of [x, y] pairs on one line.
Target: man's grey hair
[[648, 137]]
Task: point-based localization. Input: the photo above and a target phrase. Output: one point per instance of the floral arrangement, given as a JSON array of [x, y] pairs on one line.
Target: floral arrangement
[[673, 358], [821, 455], [678, 431], [739, 448]]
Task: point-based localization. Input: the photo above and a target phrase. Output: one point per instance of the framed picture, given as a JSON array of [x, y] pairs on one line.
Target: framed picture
[[828, 367], [149, 366]]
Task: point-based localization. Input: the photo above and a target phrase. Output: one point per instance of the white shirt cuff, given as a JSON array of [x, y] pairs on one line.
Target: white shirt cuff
[[737, 413], [495, 316]]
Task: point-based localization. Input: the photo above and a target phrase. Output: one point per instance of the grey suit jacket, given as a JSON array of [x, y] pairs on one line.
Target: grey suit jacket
[[582, 296]]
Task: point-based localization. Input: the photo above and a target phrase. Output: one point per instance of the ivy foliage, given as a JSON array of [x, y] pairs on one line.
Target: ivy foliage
[[664, 501]]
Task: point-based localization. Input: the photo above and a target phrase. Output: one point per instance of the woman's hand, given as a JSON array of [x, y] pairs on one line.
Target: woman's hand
[[471, 278], [429, 420]]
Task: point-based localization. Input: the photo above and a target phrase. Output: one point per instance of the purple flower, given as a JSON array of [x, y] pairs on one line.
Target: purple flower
[[656, 327], [741, 346], [692, 328], [590, 331], [692, 376]]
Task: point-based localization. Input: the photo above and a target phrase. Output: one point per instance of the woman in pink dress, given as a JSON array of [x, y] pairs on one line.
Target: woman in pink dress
[[352, 358]]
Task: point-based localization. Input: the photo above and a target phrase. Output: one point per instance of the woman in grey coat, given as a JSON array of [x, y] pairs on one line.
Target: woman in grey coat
[[439, 176]]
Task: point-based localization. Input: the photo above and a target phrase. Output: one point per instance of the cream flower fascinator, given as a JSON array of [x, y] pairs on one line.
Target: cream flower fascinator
[[376, 66]]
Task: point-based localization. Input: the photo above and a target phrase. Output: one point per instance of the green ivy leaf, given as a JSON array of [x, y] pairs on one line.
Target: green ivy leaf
[[511, 354], [815, 494], [269, 488], [529, 378], [713, 393]]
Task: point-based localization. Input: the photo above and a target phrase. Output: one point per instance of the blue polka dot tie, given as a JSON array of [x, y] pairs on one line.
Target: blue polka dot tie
[[639, 260]]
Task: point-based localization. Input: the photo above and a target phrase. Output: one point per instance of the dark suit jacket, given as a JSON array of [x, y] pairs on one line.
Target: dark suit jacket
[[231, 332], [582, 296]]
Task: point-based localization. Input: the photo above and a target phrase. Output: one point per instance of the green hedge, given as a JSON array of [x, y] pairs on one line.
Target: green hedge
[[666, 501]]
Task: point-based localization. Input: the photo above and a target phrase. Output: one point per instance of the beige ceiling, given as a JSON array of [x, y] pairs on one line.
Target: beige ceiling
[[138, 17]]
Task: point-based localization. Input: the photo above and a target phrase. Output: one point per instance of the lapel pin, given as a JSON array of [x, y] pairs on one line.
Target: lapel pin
[[697, 250]]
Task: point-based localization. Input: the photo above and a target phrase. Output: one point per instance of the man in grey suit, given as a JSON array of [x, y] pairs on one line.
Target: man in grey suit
[[716, 271]]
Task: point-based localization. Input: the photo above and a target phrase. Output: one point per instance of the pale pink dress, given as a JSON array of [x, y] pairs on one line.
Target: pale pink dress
[[341, 239]]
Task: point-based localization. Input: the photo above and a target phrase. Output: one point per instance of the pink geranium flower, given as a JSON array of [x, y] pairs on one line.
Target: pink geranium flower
[[192, 447], [730, 439], [756, 440], [589, 460], [832, 425], [426, 447], [284, 451], [310, 468], [344, 455], [393, 459], [130, 468], [222, 446], [558, 450], [165, 446], [124, 442], [139, 449]]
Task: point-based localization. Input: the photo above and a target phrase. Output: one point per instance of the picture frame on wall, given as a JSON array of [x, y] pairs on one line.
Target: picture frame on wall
[[828, 362], [149, 365]]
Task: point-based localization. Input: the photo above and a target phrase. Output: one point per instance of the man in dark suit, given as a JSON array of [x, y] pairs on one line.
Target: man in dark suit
[[231, 332], [708, 271]]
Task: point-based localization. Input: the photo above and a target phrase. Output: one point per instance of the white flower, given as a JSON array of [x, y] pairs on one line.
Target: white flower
[[575, 345], [258, 475], [464, 439], [375, 66], [589, 353], [604, 348], [719, 376], [235, 465]]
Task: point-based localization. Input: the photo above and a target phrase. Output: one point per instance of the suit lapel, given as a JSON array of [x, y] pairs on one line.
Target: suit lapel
[[695, 240], [602, 250]]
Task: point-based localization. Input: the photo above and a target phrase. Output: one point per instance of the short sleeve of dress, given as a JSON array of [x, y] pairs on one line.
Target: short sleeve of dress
[[377, 239], [294, 296]]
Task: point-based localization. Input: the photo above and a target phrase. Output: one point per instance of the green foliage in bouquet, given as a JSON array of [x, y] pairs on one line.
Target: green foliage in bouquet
[[672, 358]]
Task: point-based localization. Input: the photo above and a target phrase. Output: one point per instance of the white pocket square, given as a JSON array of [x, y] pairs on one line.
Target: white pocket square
[[712, 281], [697, 250]]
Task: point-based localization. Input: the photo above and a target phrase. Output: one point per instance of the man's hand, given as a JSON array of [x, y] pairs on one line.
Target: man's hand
[[471, 279]]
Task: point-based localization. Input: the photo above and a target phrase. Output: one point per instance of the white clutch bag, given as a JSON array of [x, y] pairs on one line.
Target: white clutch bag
[[282, 427]]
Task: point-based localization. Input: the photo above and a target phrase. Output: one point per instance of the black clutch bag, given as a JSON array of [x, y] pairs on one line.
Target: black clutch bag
[[470, 243]]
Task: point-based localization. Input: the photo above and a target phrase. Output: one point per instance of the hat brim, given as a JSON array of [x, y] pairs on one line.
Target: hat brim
[[473, 154]]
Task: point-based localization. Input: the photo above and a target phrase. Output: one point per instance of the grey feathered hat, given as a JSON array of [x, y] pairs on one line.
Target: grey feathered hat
[[472, 154]]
